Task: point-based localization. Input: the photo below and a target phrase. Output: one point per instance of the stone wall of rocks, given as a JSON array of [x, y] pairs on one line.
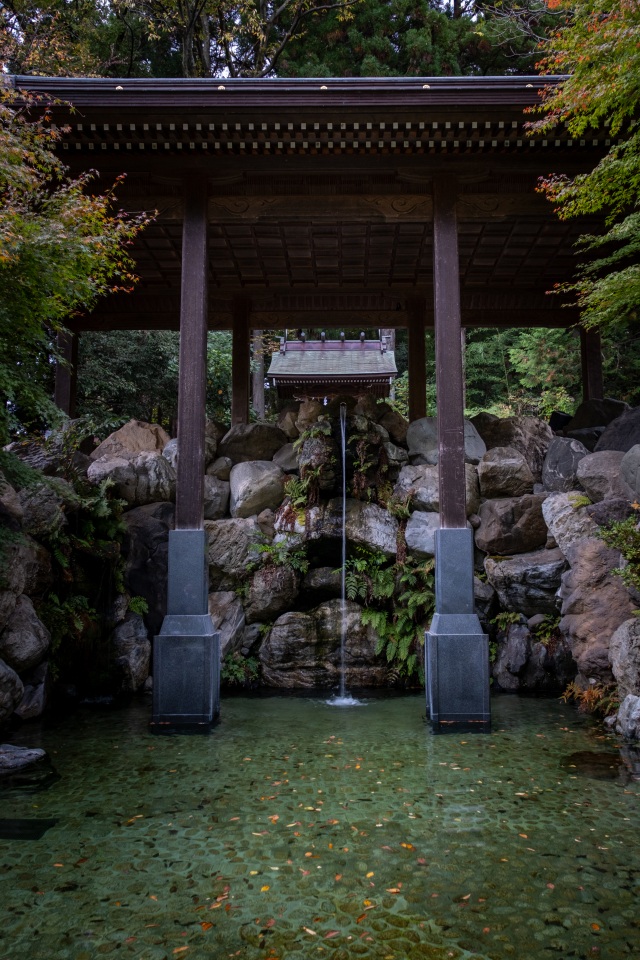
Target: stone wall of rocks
[[538, 554]]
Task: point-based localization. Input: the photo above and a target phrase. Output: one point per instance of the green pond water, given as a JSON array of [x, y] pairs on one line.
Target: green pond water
[[296, 829]]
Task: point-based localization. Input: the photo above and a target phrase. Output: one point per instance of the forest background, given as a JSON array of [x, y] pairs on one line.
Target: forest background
[[124, 375]]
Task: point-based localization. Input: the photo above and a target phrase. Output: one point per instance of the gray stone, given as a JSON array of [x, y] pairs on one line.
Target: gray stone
[[216, 498], [504, 472], [220, 468], [45, 507], [588, 437], [272, 590], [138, 479], [11, 512], [396, 456], [11, 690], [628, 719], [25, 639], [599, 474], [231, 547], [513, 653], [561, 463], [133, 438], [610, 511], [170, 452], [303, 649], [132, 652], [485, 598], [287, 423], [253, 441], [227, 614], [594, 604], [370, 526], [267, 523], [420, 483], [145, 550], [326, 582], [624, 653], [513, 525], [420, 534], [26, 568], [622, 433], [395, 424], [528, 583], [308, 413], [14, 758], [255, 486], [630, 470], [597, 413], [37, 683], [529, 435], [422, 440], [286, 458], [567, 523], [320, 455]]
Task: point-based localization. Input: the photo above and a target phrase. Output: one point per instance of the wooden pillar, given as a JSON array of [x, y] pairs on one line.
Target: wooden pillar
[[257, 375], [449, 373], [66, 372], [193, 359], [591, 356], [240, 362], [417, 365]]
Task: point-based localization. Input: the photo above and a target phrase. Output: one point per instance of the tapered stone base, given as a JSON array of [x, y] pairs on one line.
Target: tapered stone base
[[186, 671], [456, 649]]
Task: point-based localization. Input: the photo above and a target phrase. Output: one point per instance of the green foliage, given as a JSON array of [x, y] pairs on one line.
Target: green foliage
[[320, 428], [138, 605], [239, 671], [281, 553], [624, 535], [398, 600], [596, 48], [505, 619], [578, 500], [547, 632]]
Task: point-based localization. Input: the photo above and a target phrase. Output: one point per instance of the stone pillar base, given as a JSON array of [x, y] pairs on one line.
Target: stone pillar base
[[456, 649], [186, 671]]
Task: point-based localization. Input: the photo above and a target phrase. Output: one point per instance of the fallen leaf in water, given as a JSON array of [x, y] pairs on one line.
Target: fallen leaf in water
[[338, 876], [421, 860], [265, 888], [180, 949], [332, 933], [206, 925], [152, 896], [370, 874], [595, 926], [362, 917], [305, 873], [407, 846], [486, 929], [524, 836], [551, 886], [270, 923], [466, 896], [233, 818], [130, 939], [311, 933], [393, 890]]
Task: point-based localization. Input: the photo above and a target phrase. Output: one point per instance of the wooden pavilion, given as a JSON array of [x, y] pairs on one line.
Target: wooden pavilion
[[309, 203]]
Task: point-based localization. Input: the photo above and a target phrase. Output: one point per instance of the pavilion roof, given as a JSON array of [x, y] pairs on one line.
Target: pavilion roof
[[318, 368]]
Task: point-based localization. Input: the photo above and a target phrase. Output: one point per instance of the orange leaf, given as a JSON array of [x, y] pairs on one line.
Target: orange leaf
[[180, 949], [206, 925], [362, 917]]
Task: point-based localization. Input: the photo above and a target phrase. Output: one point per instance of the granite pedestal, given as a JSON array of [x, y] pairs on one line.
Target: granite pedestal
[[186, 652], [456, 649]]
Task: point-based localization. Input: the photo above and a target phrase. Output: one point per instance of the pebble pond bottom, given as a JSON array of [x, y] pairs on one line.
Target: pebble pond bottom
[[297, 830]]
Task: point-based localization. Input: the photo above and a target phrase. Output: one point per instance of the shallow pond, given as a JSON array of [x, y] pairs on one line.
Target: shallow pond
[[297, 829]]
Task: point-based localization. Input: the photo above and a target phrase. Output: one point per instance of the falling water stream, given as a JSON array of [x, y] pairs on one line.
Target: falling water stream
[[344, 699]]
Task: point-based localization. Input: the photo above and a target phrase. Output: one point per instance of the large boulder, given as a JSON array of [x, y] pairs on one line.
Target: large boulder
[[286, 458], [272, 590], [13, 758], [26, 568], [527, 665], [220, 468], [421, 484], [131, 652], [255, 486], [513, 525], [529, 435], [171, 452], [303, 649], [227, 614], [559, 470], [527, 583], [308, 413], [287, 423], [138, 479], [11, 512], [11, 690], [599, 474], [232, 545], [325, 583], [422, 440], [624, 653], [25, 639], [594, 604], [370, 526], [395, 425], [367, 525], [320, 456], [610, 511], [420, 533], [133, 438], [252, 441], [622, 433], [596, 413], [216, 498], [37, 685], [45, 507], [145, 549], [567, 522], [628, 718], [504, 472], [630, 471]]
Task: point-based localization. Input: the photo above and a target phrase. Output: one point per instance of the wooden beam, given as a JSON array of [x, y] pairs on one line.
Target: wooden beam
[[66, 372], [417, 365], [449, 388], [240, 361], [591, 356], [193, 359]]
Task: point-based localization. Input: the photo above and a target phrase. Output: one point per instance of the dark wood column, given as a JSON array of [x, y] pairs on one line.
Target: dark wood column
[[66, 373], [240, 362], [257, 375], [591, 355], [417, 366], [449, 373], [193, 359]]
